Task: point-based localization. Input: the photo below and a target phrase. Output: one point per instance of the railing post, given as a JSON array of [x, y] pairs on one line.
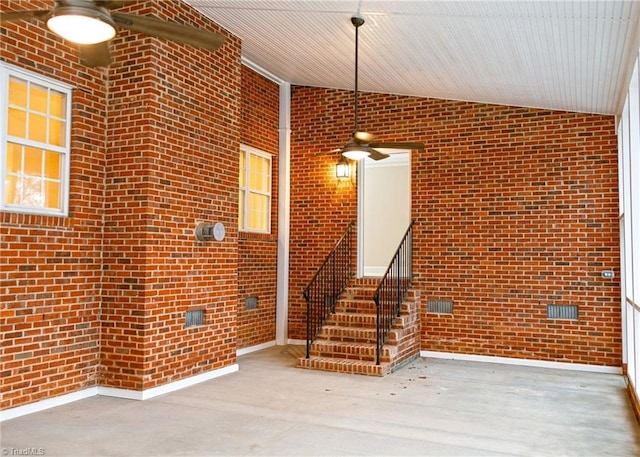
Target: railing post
[[306, 297], [398, 288], [376, 299]]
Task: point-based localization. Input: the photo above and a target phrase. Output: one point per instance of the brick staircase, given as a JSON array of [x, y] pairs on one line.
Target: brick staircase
[[347, 342]]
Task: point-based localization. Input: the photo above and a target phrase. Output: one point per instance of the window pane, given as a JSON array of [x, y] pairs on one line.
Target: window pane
[[242, 170], [52, 165], [52, 194], [17, 123], [241, 222], [38, 98], [56, 132], [32, 192], [33, 162], [17, 92], [257, 211], [14, 158], [57, 104], [11, 192], [37, 127], [259, 170]]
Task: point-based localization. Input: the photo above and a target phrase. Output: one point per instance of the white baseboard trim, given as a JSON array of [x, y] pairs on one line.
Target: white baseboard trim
[[522, 362], [297, 342], [41, 405], [166, 388], [257, 347]]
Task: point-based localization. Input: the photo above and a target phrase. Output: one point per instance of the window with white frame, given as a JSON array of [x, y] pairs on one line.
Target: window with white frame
[[254, 206], [35, 114]]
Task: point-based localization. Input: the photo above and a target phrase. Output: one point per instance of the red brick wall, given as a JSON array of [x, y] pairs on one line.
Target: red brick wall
[[173, 144], [515, 209], [50, 267], [257, 264], [153, 152]]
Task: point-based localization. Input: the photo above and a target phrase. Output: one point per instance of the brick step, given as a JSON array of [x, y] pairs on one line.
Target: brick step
[[358, 293], [350, 351], [352, 319], [339, 333], [344, 366], [350, 305]]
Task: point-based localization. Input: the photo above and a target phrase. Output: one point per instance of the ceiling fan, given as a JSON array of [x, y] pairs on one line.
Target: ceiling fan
[[90, 24], [361, 144]]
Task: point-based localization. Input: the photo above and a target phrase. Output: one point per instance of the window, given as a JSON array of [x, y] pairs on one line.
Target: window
[[254, 206], [34, 133]]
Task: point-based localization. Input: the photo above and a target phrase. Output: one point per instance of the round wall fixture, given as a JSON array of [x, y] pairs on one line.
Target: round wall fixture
[[205, 231], [218, 231]]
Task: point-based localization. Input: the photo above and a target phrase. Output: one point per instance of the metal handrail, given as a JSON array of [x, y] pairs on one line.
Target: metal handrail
[[322, 292], [392, 290]]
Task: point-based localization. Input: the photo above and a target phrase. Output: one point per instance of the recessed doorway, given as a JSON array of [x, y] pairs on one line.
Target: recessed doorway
[[384, 210]]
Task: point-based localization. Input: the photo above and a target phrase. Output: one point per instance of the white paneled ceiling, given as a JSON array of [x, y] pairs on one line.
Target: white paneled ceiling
[[566, 55]]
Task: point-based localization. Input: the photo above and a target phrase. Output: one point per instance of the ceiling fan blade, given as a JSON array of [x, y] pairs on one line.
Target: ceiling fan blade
[[377, 155], [115, 4], [182, 34], [363, 137], [22, 15], [398, 145], [95, 55]]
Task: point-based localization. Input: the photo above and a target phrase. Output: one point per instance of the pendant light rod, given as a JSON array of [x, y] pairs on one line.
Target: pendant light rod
[[357, 22]]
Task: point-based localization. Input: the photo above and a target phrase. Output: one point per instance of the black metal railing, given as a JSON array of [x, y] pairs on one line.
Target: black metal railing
[[392, 290], [327, 284]]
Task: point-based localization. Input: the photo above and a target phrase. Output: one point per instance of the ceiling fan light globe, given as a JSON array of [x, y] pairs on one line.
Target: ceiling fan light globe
[[355, 153], [82, 25]]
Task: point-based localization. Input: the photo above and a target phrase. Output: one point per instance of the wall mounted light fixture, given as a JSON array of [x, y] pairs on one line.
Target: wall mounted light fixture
[[342, 168]]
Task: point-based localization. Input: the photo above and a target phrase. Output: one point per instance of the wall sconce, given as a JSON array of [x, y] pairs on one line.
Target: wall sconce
[[342, 168]]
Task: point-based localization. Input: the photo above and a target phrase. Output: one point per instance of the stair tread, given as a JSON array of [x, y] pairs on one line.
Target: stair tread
[[365, 367]]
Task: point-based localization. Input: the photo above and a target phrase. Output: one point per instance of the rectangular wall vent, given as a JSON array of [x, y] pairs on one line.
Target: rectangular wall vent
[[194, 318], [251, 303], [440, 306], [562, 312]]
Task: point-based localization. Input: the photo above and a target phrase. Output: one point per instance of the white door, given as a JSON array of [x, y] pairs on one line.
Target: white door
[[384, 210]]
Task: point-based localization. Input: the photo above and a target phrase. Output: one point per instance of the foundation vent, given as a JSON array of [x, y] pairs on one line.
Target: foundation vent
[[440, 306], [251, 303], [194, 318], [569, 312]]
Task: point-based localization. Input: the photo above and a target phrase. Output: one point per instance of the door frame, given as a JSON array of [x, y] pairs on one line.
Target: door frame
[[360, 267]]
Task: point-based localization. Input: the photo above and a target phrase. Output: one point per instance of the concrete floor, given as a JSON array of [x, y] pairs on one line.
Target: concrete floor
[[429, 407]]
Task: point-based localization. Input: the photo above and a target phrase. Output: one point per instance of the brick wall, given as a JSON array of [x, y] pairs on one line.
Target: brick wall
[[515, 209], [99, 297], [257, 264], [50, 267], [173, 144]]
